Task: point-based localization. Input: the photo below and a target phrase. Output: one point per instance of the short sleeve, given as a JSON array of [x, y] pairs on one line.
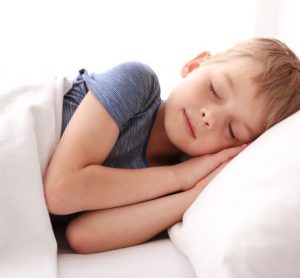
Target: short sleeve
[[125, 90]]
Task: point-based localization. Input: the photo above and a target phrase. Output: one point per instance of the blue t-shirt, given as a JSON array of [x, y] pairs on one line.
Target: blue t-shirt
[[130, 93]]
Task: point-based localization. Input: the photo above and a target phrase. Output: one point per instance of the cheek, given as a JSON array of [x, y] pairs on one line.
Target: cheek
[[211, 143], [189, 93], [219, 141], [175, 97]]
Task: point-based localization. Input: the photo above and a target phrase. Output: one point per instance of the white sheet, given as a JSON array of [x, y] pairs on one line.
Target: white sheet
[[158, 258], [30, 122]]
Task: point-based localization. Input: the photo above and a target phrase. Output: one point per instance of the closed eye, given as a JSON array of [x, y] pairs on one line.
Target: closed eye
[[231, 133], [213, 91]]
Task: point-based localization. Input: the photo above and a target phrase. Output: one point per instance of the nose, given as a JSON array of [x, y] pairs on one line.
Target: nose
[[207, 118]]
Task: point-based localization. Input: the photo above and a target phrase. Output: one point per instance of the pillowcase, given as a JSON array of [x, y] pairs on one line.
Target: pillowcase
[[245, 223]]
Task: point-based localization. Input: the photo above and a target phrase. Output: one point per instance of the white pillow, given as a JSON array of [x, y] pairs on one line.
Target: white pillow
[[246, 223]]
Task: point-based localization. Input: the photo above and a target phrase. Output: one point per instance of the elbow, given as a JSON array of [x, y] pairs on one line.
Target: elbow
[[56, 195], [76, 239]]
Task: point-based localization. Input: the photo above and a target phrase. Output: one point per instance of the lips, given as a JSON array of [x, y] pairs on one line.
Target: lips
[[189, 124]]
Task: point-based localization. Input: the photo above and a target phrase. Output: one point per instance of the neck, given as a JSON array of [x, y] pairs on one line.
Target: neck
[[160, 150]]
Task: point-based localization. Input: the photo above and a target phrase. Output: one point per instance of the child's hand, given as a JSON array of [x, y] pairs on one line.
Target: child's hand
[[195, 169], [200, 185]]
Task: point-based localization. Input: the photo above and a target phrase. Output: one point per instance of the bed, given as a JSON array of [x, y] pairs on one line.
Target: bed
[[244, 224], [156, 258]]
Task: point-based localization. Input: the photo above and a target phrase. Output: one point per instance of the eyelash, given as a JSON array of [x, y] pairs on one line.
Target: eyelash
[[231, 131], [212, 89]]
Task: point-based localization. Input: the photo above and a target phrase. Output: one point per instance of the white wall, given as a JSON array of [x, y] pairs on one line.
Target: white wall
[[65, 35], [289, 23], [280, 18]]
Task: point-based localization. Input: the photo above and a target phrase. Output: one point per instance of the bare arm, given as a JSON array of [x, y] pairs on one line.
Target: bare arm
[[76, 181], [104, 230]]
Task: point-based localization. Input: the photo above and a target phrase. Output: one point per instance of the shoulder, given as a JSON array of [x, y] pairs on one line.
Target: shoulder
[[125, 90], [139, 79], [137, 69], [136, 66]]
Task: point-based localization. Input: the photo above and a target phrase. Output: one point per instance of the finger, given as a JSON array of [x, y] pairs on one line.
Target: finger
[[229, 153], [214, 160], [206, 180]]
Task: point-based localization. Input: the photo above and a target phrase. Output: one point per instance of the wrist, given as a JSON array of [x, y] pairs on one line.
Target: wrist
[[178, 177], [188, 198]]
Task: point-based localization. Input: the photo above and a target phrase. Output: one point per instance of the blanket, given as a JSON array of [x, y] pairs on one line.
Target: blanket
[[30, 124]]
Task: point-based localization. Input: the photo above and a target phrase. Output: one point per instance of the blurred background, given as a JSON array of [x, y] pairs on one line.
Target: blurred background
[[62, 36]]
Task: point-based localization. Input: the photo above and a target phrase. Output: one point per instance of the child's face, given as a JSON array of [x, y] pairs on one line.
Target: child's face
[[213, 107]]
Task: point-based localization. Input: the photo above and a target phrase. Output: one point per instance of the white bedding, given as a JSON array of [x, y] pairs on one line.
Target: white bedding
[[245, 223], [30, 122], [158, 258]]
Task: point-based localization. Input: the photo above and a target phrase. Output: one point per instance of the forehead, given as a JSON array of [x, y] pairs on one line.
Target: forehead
[[240, 67]]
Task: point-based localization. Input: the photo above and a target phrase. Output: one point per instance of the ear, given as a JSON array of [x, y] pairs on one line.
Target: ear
[[194, 63]]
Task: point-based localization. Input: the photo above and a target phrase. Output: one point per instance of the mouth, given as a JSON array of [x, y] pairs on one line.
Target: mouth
[[189, 124]]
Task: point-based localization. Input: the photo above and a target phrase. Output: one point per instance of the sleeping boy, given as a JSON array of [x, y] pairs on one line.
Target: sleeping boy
[[117, 168]]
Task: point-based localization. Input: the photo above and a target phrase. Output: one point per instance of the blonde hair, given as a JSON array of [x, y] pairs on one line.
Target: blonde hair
[[278, 83]]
